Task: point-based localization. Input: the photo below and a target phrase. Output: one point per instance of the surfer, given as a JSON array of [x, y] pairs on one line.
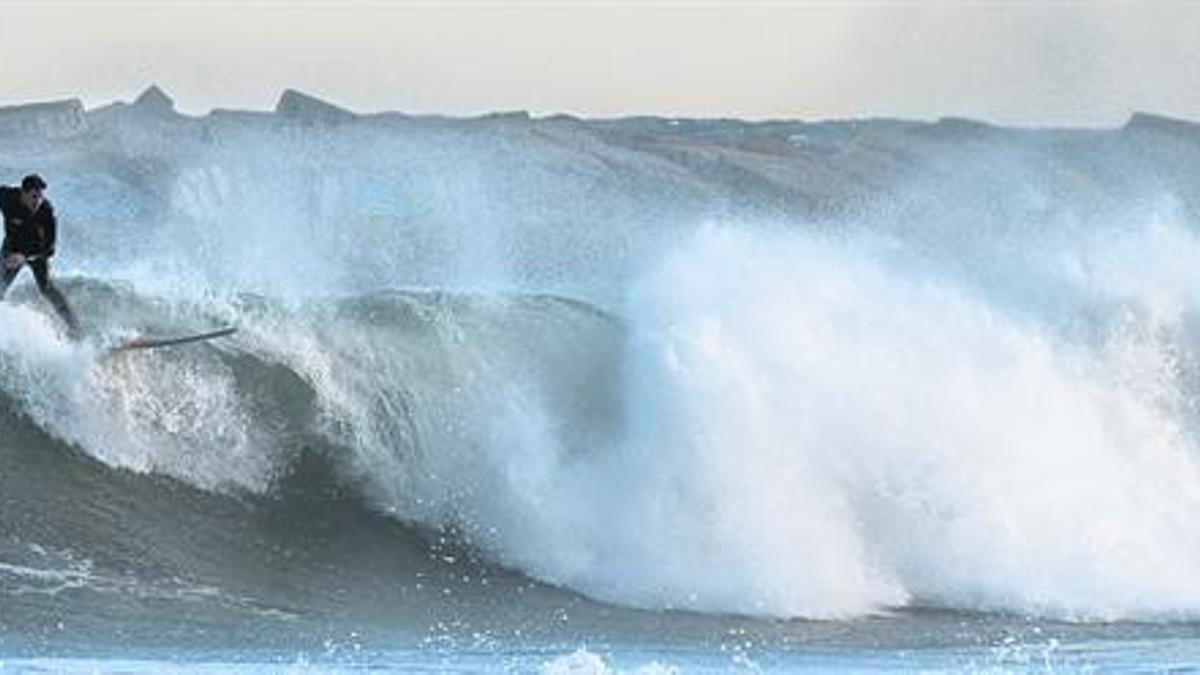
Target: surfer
[[29, 232]]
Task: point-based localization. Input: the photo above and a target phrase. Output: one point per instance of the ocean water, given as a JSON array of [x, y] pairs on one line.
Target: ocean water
[[629, 396]]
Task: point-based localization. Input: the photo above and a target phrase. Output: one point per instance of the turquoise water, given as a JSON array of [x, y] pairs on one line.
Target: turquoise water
[[1123, 657]]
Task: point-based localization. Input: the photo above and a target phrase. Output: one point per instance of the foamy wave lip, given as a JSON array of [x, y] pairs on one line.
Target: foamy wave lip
[[31, 333], [822, 431], [848, 416], [176, 413]]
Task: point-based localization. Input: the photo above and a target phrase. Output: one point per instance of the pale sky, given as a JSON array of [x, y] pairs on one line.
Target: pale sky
[[1071, 62]]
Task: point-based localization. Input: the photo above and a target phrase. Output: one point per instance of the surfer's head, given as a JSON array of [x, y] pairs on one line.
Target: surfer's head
[[33, 191]]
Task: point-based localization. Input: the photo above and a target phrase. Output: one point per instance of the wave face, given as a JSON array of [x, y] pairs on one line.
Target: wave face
[[792, 371]]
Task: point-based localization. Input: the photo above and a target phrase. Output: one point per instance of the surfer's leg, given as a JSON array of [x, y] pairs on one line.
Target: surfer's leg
[[41, 273], [6, 280]]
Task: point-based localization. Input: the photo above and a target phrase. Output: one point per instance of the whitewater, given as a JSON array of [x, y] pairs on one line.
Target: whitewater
[[723, 393]]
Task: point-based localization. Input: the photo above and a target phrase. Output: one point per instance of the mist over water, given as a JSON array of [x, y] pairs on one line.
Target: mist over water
[[927, 443], [664, 367]]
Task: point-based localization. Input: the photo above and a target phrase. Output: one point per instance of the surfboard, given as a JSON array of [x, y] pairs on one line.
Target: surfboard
[[145, 342]]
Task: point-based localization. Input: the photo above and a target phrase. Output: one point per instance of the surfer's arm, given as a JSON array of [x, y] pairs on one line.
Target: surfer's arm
[[7, 195], [9, 258], [51, 231]]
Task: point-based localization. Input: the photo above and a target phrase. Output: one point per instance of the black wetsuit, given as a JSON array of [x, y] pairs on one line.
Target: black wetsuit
[[32, 235]]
